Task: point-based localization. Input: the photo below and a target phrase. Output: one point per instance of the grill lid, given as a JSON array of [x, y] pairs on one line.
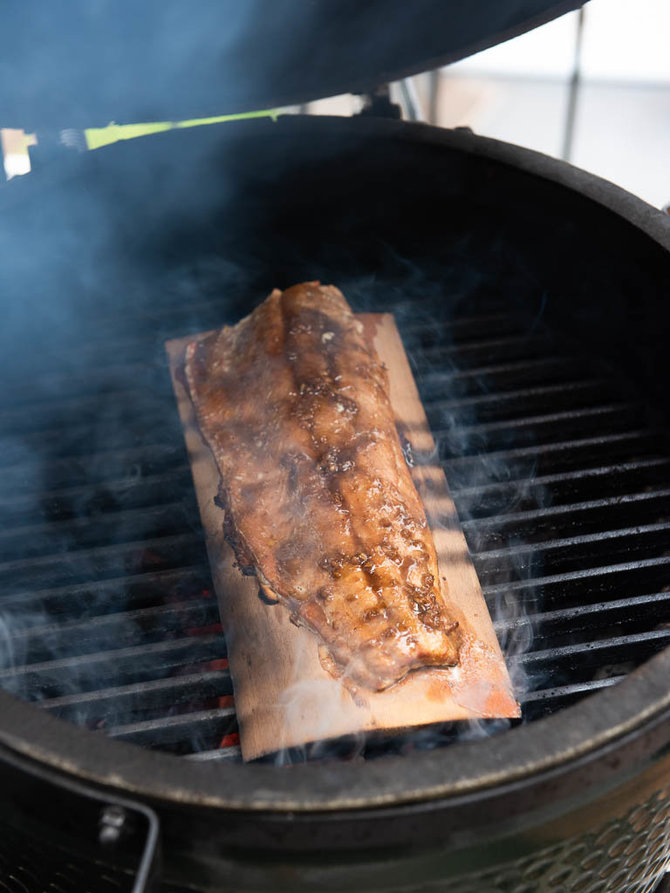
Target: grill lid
[[88, 64]]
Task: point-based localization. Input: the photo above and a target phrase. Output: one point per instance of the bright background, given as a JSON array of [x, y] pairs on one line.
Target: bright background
[[518, 92]]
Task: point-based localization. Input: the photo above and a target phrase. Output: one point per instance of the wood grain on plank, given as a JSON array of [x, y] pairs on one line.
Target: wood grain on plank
[[283, 696]]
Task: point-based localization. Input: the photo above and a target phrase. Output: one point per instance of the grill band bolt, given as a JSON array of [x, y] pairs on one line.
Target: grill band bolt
[[112, 823]]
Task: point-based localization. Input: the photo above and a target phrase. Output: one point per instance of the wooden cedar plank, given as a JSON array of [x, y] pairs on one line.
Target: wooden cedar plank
[[284, 698]]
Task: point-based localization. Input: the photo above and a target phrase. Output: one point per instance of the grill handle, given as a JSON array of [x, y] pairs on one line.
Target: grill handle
[[113, 818], [118, 828]]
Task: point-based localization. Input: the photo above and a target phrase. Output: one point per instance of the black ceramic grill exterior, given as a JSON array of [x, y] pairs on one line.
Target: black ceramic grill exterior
[[26, 864], [529, 295], [262, 58], [562, 487]]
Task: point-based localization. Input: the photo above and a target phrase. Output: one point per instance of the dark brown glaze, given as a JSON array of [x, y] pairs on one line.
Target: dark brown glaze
[[319, 502]]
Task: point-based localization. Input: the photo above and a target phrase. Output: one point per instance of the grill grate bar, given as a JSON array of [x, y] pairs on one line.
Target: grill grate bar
[[232, 752], [499, 375], [77, 637], [147, 702], [464, 326], [548, 700], [491, 350], [96, 468], [62, 504], [650, 642], [103, 561], [493, 405], [70, 441], [521, 493], [587, 573], [619, 415], [163, 692], [32, 541], [25, 419], [114, 593], [45, 389], [583, 549], [561, 691], [561, 454], [583, 586], [585, 623], [519, 496], [103, 354], [573, 614], [171, 730], [639, 466], [569, 511], [155, 655]]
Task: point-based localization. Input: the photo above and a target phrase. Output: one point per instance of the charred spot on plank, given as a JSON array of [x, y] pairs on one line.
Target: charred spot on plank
[[266, 598]]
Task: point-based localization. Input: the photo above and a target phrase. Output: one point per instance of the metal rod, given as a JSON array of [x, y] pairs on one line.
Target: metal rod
[[573, 90], [202, 683], [434, 85], [602, 471], [650, 637], [590, 573], [409, 98], [625, 440], [631, 535], [632, 603], [554, 511], [521, 394]]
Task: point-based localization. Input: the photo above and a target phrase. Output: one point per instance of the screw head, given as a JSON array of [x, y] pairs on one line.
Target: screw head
[[112, 820]]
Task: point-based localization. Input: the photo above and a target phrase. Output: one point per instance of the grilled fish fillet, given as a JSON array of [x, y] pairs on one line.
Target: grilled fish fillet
[[319, 502]]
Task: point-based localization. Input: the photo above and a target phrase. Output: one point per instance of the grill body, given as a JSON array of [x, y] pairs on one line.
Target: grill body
[[530, 297]]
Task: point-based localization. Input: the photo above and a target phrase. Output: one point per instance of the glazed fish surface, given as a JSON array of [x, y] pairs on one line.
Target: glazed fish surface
[[318, 498]]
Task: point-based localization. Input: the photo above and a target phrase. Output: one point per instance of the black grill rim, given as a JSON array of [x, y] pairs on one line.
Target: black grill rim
[[638, 702]]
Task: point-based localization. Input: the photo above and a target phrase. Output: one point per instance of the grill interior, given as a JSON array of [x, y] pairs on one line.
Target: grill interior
[[562, 488], [107, 614]]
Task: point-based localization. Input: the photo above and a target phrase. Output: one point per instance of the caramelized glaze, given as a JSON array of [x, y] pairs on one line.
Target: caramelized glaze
[[319, 502]]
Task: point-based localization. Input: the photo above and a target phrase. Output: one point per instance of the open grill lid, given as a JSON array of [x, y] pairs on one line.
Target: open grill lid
[[88, 64]]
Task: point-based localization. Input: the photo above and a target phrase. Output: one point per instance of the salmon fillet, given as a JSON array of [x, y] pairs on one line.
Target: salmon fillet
[[318, 499]]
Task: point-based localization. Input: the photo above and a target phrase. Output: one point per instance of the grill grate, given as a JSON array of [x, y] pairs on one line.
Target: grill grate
[[107, 606]]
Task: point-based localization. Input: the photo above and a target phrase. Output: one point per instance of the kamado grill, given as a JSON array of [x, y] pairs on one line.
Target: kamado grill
[[531, 299]]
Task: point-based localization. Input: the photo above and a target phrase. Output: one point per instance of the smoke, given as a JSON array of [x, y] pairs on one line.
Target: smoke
[[108, 254], [305, 693], [103, 444], [459, 400], [459, 404], [87, 521]]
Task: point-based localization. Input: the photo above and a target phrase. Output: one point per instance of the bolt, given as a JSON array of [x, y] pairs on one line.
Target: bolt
[[112, 820]]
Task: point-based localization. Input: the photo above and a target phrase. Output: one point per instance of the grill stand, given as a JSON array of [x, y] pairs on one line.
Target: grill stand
[[113, 831]]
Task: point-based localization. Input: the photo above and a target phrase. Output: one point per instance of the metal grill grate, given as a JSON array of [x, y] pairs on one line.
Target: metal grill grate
[[107, 605], [31, 864]]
